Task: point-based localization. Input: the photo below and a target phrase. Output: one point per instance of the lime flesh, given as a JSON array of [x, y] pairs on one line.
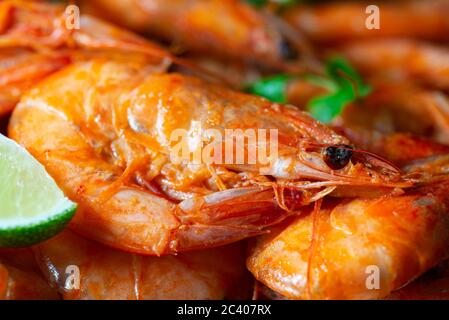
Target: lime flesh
[[32, 207]]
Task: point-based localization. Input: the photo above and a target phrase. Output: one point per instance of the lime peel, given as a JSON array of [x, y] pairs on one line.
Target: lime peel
[[32, 207]]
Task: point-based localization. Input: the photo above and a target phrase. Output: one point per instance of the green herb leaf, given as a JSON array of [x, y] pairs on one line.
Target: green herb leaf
[[342, 72], [326, 108], [345, 86], [342, 82], [273, 88]]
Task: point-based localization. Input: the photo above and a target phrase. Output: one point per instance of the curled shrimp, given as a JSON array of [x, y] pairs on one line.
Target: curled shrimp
[[329, 254], [345, 20], [330, 251], [109, 274], [433, 285]]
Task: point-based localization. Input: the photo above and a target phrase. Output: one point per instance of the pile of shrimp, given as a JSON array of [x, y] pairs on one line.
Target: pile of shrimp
[[357, 208]]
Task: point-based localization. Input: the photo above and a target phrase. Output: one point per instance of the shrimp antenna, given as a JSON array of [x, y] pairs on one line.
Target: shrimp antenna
[[389, 164]]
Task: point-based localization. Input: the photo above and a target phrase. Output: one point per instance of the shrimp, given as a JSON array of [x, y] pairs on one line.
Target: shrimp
[[20, 278], [330, 250], [401, 60], [112, 156], [113, 129], [433, 285], [229, 29], [330, 253], [35, 43], [20, 69], [107, 274], [42, 28], [346, 20], [403, 108]]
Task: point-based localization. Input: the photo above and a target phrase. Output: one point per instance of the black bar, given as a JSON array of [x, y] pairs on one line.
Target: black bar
[[163, 310]]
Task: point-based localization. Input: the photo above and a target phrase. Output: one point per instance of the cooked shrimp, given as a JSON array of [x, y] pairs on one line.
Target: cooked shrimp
[[231, 29], [401, 60], [116, 122], [35, 43], [343, 20], [433, 285], [20, 69], [327, 253], [42, 27], [20, 279], [404, 108], [106, 273]]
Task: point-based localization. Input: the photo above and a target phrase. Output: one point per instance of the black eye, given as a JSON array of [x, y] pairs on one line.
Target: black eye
[[287, 51], [338, 156]]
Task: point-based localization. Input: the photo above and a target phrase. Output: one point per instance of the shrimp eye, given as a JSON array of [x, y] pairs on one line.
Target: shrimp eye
[[287, 51], [338, 156]]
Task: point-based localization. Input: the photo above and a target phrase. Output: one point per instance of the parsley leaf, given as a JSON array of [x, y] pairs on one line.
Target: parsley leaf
[[342, 82], [345, 86], [273, 88]]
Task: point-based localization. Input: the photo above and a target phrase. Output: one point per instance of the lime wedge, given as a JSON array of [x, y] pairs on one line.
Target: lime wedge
[[32, 207]]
